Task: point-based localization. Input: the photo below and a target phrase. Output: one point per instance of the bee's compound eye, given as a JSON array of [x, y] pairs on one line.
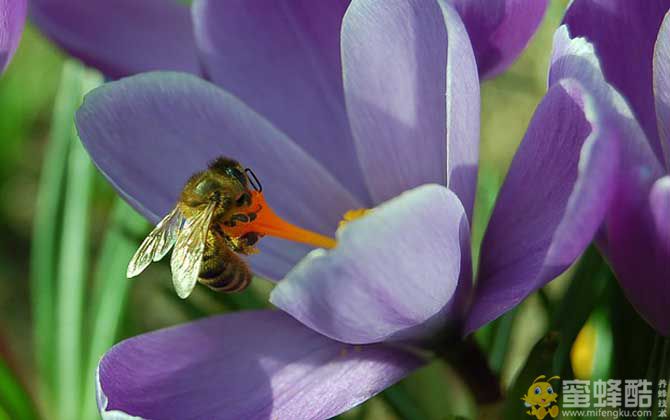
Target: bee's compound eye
[[550, 390], [237, 174], [538, 391]]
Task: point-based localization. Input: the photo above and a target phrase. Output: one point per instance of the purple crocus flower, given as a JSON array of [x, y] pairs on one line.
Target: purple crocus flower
[[126, 37], [121, 37], [410, 84], [632, 40], [12, 18]]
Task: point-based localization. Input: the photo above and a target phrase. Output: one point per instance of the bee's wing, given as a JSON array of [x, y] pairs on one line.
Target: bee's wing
[[157, 243], [188, 251]]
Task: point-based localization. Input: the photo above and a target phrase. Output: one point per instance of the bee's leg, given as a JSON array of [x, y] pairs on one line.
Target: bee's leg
[[245, 243], [250, 239], [235, 244], [241, 218], [235, 218]]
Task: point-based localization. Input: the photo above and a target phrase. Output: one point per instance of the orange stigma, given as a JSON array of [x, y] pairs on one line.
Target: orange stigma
[[268, 223]]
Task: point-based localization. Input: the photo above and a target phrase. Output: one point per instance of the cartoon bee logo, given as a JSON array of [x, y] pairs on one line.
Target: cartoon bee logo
[[541, 398]]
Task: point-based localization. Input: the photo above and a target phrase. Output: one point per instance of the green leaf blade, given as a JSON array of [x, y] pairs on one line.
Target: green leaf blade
[[110, 292], [47, 224]]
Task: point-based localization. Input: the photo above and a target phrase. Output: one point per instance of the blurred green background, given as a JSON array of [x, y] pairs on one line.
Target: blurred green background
[[61, 306]]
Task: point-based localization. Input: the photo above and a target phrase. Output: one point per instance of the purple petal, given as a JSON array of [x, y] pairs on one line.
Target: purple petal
[[551, 204], [575, 58], [149, 133], [638, 235], [121, 37], [397, 273], [623, 33], [277, 257], [660, 208], [246, 365], [401, 59], [283, 59], [499, 30], [662, 86], [12, 18], [629, 239]]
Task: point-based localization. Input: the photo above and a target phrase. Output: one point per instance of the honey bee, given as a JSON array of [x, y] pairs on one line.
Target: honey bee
[[202, 227]]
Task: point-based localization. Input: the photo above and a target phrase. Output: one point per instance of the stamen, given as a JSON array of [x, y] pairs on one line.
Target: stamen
[[352, 215], [266, 222]]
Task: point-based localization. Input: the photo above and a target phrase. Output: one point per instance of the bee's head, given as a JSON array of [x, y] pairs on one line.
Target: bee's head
[[224, 181]]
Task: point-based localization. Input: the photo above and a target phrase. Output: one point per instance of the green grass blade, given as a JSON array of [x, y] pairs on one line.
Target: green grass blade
[[602, 363], [46, 225], [438, 391], [110, 291], [14, 400], [401, 403], [73, 270], [584, 293], [501, 340]]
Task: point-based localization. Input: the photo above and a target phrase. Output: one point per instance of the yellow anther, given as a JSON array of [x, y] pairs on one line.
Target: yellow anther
[[352, 215]]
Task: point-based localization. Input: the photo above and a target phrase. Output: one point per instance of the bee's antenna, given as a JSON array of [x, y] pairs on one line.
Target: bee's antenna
[[253, 180]]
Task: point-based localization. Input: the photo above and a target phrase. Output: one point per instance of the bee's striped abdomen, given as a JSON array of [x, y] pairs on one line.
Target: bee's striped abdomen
[[222, 270], [233, 277]]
